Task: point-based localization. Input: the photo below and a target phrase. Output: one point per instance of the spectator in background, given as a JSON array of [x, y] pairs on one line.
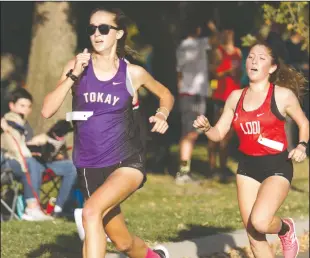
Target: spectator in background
[[20, 107], [193, 83], [228, 73], [12, 77]]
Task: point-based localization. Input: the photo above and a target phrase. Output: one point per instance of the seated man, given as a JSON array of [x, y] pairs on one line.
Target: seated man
[[15, 138]]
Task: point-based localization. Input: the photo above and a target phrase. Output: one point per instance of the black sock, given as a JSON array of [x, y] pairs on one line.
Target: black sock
[[284, 228]]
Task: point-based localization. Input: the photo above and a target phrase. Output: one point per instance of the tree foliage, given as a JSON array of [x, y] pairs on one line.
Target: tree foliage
[[293, 15]]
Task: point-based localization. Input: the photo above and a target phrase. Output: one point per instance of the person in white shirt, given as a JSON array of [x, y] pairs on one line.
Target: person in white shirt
[[193, 83]]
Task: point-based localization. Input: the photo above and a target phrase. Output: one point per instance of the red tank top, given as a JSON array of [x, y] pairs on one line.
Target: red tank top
[[261, 131], [227, 84]]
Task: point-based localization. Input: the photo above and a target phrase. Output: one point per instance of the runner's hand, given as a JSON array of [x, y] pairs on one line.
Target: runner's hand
[[202, 123], [298, 154], [160, 125], [81, 61]]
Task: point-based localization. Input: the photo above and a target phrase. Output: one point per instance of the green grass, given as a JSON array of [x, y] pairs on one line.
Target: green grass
[[159, 212]]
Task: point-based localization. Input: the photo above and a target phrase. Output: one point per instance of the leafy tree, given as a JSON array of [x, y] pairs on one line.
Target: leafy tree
[[293, 15]]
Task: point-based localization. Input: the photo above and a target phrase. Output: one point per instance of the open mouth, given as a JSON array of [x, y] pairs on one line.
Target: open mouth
[[254, 69]]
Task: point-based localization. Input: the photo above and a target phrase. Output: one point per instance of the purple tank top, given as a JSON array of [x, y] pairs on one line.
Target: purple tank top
[[108, 136]]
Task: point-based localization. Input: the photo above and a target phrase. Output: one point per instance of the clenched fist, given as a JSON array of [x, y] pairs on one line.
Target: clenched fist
[[81, 61], [202, 123], [160, 125]]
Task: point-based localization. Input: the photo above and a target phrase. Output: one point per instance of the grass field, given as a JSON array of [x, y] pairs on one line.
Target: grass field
[[159, 212]]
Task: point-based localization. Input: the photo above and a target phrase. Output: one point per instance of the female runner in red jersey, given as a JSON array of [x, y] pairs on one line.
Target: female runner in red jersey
[[228, 74], [257, 113]]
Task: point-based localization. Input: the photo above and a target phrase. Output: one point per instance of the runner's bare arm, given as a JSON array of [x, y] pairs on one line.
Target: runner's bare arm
[[141, 77], [54, 99], [222, 127]]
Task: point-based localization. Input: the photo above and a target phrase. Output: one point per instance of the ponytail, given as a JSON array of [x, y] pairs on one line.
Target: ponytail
[[287, 77]]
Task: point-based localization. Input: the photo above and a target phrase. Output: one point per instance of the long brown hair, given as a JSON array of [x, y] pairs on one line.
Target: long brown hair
[[285, 76], [121, 21]]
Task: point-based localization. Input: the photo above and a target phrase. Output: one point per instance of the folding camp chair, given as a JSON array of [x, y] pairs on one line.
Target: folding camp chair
[[9, 192], [50, 181], [50, 185]]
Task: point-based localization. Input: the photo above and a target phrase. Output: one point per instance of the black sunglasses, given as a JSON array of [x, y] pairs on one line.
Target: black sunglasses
[[103, 29]]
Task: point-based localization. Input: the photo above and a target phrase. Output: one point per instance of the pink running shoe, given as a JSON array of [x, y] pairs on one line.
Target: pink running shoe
[[290, 245]]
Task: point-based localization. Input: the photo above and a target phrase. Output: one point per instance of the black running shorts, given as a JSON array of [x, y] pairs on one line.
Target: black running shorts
[[90, 179], [262, 167]]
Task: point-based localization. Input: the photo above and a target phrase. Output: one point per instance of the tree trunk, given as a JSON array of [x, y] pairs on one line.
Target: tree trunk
[[53, 44]]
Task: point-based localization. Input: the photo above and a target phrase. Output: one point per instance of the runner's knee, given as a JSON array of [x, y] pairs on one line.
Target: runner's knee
[[123, 245], [91, 214], [260, 223]]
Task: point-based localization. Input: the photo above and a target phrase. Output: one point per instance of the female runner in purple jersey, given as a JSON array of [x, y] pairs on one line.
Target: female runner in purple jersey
[[107, 149]]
